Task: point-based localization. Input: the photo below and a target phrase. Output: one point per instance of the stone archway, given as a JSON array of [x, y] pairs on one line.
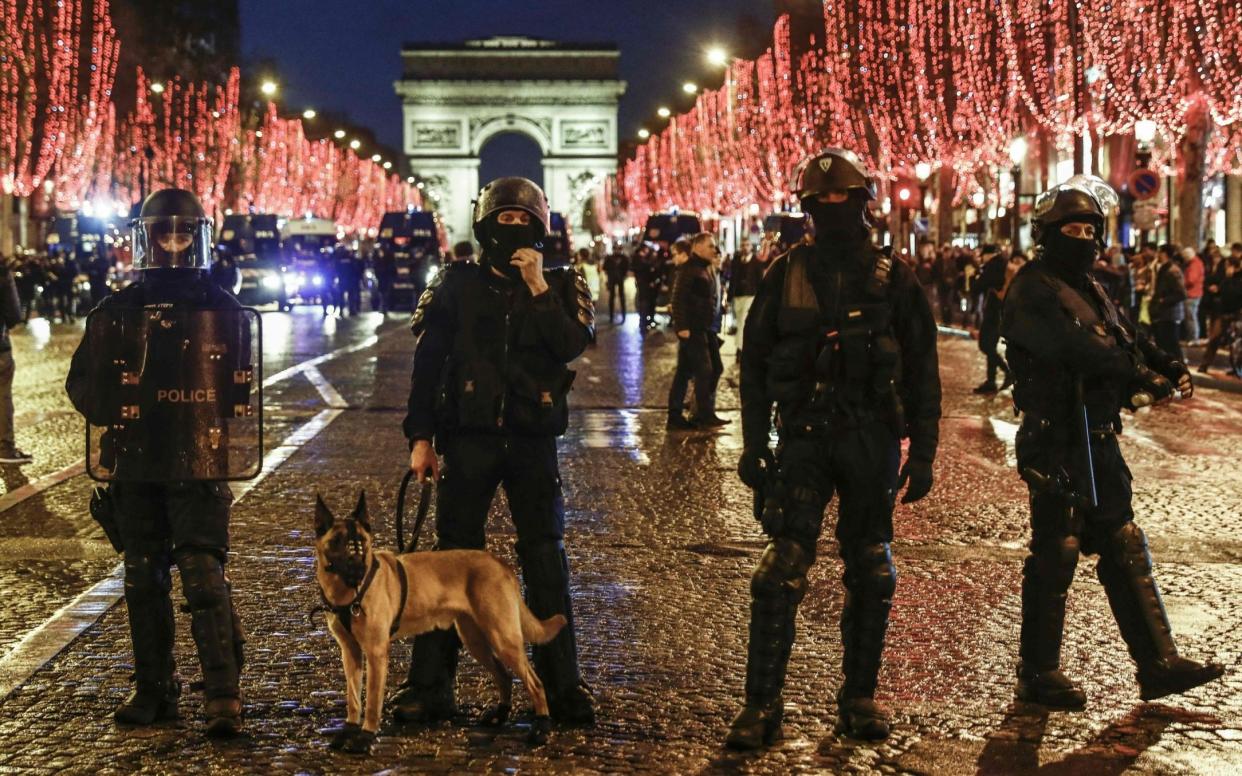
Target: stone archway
[[457, 97]]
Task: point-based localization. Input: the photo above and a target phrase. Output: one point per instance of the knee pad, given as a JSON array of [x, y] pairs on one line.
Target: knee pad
[[202, 580], [782, 571], [146, 575], [871, 566], [1127, 547], [1055, 562]]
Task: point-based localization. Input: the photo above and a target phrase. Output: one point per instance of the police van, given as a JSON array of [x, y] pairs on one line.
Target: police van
[[308, 244], [407, 253], [782, 231], [253, 242], [662, 230]]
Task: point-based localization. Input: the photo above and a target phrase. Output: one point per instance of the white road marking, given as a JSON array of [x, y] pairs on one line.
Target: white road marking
[[330, 395], [35, 487]]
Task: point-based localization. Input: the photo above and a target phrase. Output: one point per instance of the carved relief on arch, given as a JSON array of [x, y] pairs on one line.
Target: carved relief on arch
[[484, 128]]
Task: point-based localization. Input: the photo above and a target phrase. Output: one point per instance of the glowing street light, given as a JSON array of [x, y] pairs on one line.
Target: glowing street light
[[339, 134], [689, 87], [387, 165], [1144, 131], [309, 114], [376, 157], [410, 180], [644, 133], [355, 144], [903, 194], [268, 88], [664, 112], [717, 56], [157, 87], [922, 171], [1017, 151]]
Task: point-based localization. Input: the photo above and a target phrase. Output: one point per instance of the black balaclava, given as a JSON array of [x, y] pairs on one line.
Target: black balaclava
[[504, 240], [1073, 255], [837, 221]]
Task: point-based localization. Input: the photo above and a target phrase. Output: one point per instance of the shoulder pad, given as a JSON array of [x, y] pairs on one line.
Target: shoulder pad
[[419, 319], [573, 289]]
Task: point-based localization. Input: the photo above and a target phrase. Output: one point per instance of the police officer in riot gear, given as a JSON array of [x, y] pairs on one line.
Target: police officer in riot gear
[[165, 454], [841, 339], [489, 389], [1078, 362]]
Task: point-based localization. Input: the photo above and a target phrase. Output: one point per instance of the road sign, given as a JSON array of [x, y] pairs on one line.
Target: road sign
[[1144, 184]]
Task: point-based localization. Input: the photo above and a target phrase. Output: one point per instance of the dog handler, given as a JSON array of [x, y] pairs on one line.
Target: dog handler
[[489, 389], [165, 449]]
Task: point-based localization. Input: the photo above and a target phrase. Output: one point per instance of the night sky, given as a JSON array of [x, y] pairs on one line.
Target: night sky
[[337, 55]]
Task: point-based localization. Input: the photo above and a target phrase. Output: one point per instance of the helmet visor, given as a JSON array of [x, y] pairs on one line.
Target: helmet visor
[[172, 242], [1090, 185]]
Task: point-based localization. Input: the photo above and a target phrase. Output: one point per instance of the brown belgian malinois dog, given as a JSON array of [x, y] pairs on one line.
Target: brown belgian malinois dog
[[373, 597]]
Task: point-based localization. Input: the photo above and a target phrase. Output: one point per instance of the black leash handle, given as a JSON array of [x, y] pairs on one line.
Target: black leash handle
[[424, 506]]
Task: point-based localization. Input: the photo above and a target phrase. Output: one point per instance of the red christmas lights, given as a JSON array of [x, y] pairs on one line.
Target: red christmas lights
[[949, 84]]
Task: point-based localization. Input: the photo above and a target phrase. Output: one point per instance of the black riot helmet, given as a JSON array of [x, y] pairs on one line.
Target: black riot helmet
[[833, 169], [172, 231], [1083, 198], [511, 193]]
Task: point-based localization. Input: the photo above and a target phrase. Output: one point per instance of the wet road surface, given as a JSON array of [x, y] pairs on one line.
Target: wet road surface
[[662, 545]]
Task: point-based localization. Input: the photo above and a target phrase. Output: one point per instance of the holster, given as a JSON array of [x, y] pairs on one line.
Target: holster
[[103, 510]]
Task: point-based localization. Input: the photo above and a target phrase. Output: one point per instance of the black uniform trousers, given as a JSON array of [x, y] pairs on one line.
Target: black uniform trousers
[[186, 524], [698, 358], [616, 293], [859, 464], [1060, 533], [526, 466]]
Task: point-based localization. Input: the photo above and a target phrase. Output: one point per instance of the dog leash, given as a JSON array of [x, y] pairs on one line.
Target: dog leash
[[424, 506]]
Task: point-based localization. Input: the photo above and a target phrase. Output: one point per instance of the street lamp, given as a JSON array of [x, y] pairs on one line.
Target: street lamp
[[309, 114], [717, 56], [1145, 131], [157, 87], [644, 133], [387, 165], [355, 144], [689, 87], [376, 157], [268, 88], [1017, 153], [339, 134], [664, 112]]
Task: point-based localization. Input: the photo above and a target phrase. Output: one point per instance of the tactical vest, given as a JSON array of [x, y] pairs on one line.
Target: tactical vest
[[499, 377], [1045, 390], [838, 355]]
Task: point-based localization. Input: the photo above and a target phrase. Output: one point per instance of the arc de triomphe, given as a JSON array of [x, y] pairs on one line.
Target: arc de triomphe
[[456, 97]]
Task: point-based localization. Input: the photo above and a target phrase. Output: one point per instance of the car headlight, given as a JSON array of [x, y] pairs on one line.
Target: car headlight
[[271, 282], [317, 280]]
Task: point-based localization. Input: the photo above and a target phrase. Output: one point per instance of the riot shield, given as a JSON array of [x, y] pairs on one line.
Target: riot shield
[[176, 395]]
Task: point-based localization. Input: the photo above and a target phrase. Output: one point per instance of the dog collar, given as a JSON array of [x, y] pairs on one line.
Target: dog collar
[[346, 612]]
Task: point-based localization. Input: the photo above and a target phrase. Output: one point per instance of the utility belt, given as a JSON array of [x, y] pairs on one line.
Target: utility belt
[[1061, 428], [802, 422]]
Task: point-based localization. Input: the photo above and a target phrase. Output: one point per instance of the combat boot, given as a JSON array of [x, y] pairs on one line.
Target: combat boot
[[1049, 688], [870, 581], [757, 725], [149, 703], [224, 717], [1046, 577], [861, 718], [427, 695], [1126, 573]]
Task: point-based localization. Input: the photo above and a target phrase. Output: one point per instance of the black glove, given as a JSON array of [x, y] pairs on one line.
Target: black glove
[[1148, 387], [1179, 375], [754, 465], [918, 473]]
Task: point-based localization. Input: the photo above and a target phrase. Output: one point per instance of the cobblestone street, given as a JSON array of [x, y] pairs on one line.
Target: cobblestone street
[[662, 544]]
